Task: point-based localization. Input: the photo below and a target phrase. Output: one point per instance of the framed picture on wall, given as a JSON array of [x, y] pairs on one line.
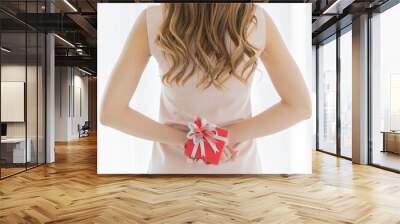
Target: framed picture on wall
[[12, 101]]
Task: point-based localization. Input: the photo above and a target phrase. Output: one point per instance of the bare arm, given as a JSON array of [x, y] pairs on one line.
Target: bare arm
[[295, 104], [115, 111]]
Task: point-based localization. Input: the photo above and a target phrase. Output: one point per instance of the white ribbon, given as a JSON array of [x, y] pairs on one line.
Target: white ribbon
[[199, 140]]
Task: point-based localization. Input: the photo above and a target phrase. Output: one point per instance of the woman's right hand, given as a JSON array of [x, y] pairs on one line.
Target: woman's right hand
[[180, 127]]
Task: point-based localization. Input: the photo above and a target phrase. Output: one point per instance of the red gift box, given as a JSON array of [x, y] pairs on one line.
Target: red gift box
[[205, 141]]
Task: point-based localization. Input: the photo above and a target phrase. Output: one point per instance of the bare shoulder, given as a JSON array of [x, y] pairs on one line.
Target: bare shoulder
[[144, 14], [154, 9], [270, 29], [137, 38], [266, 16], [268, 22]]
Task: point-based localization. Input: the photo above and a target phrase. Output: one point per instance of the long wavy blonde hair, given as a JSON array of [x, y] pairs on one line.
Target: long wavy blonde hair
[[192, 36]]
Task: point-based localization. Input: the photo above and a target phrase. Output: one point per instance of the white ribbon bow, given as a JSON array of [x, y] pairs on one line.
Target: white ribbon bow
[[199, 139]]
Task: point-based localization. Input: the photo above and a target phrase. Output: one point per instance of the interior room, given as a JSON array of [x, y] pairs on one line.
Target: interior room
[[50, 114], [385, 90], [22, 101]]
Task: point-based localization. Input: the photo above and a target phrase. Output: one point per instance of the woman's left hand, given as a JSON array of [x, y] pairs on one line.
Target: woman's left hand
[[230, 153]]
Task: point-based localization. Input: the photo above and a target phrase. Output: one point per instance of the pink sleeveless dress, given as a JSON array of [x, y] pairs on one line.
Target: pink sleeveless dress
[[181, 104]]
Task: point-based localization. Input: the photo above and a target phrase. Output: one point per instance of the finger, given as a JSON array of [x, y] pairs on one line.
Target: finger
[[233, 152], [199, 161], [190, 160], [228, 153], [224, 157]]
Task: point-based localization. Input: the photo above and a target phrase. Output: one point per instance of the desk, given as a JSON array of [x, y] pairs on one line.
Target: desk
[[13, 150], [391, 141]]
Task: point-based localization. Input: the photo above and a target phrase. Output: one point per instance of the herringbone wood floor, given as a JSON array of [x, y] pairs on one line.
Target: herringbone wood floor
[[70, 191]]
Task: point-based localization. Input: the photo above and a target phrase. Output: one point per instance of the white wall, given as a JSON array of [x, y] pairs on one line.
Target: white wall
[[82, 83], [61, 103], [67, 81], [14, 72], [12, 101], [285, 152]]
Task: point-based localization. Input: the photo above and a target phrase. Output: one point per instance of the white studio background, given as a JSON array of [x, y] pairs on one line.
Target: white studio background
[[289, 151]]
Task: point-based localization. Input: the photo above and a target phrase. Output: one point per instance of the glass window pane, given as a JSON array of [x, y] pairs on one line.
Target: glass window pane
[[31, 88], [327, 97], [386, 89], [31, 97], [13, 89], [22, 90], [346, 94], [41, 98]]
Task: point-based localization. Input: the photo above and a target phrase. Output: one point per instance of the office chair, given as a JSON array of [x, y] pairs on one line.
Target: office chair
[[84, 130]]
